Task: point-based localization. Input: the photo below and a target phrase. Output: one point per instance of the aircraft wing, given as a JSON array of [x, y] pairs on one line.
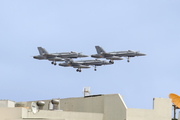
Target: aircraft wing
[[106, 54], [80, 66], [55, 59], [114, 54], [49, 55], [69, 55], [114, 58]]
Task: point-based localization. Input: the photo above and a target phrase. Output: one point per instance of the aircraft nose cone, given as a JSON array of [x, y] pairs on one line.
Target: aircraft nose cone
[[142, 54]]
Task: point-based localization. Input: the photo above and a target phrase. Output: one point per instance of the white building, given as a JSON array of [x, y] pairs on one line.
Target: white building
[[95, 107]]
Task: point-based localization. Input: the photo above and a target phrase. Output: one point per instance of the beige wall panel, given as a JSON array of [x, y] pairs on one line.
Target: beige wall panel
[[161, 111], [114, 107], [11, 113], [163, 108], [89, 104], [65, 115], [140, 114]]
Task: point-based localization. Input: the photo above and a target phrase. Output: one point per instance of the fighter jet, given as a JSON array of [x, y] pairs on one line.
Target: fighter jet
[[84, 64], [57, 56], [115, 55]]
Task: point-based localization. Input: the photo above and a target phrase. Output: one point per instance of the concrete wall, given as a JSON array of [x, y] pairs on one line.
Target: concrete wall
[[18, 113], [161, 111], [12, 113], [7, 103], [88, 104], [65, 115], [112, 106], [109, 107]]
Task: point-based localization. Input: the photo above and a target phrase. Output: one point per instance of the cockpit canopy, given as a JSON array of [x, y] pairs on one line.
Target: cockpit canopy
[[130, 51], [73, 52]]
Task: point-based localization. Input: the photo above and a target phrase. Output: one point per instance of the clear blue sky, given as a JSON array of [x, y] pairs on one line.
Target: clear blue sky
[[151, 27]]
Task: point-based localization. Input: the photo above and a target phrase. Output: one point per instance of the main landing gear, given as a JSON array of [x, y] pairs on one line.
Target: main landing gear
[[53, 62], [78, 70]]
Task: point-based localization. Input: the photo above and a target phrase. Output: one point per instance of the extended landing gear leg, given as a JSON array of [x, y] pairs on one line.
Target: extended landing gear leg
[[95, 68], [128, 60]]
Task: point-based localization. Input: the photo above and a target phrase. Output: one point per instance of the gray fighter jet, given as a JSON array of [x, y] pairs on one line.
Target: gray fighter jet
[[115, 55], [56, 56], [84, 64]]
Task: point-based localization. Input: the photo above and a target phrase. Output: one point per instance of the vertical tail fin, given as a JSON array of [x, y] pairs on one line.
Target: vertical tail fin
[[99, 49], [42, 51]]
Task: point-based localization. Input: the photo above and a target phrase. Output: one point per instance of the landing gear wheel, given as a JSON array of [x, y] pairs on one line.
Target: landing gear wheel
[[95, 68], [77, 70], [52, 62], [111, 61]]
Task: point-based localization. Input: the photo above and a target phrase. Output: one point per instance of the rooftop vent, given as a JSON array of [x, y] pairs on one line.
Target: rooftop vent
[[55, 103], [40, 104]]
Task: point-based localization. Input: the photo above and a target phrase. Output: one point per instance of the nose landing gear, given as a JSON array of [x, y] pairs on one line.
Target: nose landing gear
[[111, 61], [128, 59], [95, 68]]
